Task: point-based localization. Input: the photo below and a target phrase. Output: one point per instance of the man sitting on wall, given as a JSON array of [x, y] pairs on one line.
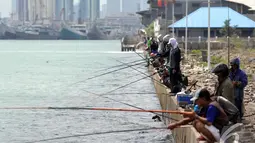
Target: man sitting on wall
[[210, 120]]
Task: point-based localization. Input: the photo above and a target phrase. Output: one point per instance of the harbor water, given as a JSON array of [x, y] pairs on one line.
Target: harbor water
[[54, 73]]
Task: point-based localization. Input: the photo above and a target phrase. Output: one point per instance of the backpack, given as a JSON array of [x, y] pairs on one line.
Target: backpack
[[229, 108]]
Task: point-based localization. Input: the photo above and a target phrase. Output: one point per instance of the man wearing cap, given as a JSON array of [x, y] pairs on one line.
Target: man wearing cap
[[239, 80], [209, 125]]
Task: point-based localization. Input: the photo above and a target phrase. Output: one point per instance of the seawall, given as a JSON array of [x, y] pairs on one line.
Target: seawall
[[186, 134]]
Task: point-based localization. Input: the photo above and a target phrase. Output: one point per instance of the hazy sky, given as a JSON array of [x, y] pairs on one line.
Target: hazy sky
[[6, 7]]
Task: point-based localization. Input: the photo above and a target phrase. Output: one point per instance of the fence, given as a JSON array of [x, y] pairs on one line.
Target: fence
[[217, 43]]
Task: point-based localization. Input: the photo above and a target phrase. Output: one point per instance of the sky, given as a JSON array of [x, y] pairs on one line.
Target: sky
[[6, 7]]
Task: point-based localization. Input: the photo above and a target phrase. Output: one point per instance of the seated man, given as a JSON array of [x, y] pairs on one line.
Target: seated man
[[208, 123]]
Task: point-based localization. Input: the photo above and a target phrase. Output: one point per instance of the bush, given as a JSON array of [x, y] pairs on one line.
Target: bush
[[196, 52]]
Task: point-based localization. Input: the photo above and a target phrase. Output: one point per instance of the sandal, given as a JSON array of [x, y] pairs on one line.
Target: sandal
[[201, 138]]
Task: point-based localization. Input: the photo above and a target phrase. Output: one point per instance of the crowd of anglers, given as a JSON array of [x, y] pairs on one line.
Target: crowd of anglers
[[212, 112]]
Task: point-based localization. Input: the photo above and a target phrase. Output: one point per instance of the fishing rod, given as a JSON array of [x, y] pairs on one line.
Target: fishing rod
[[96, 76], [97, 109], [160, 83], [100, 133], [120, 65]]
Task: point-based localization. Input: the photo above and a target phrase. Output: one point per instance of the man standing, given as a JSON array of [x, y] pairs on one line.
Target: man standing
[[175, 69], [239, 80], [225, 87]]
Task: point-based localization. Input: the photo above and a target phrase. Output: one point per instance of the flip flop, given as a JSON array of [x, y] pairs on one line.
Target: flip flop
[[201, 138]]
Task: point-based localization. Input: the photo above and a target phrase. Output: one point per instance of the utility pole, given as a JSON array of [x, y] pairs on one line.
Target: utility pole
[[209, 36], [228, 38], [166, 15], [173, 19], [186, 31]]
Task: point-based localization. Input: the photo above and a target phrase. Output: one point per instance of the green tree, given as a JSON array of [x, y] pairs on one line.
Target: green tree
[[228, 30], [150, 29]]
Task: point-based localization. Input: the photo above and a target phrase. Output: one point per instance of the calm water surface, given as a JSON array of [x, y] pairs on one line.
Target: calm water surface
[[43, 73]]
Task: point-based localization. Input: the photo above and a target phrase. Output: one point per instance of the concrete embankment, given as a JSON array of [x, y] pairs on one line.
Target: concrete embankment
[[186, 134]]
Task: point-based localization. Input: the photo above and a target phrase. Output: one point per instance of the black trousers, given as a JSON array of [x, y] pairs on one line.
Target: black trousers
[[175, 78]]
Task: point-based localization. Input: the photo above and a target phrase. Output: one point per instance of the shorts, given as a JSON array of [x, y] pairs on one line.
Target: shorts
[[215, 132]]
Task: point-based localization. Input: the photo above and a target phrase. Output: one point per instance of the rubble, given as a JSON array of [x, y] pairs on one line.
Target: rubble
[[195, 71]]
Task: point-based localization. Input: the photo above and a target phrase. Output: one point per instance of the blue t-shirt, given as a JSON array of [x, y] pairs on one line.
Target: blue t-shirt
[[212, 113]]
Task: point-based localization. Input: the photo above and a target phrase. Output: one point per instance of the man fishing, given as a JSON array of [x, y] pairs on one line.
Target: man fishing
[[224, 87], [239, 80], [174, 55], [210, 119]]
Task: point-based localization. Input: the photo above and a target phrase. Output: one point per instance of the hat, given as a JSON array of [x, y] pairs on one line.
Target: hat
[[173, 42], [235, 61], [196, 95]]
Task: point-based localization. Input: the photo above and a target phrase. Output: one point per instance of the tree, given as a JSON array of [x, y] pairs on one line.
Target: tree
[[150, 29], [228, 30]]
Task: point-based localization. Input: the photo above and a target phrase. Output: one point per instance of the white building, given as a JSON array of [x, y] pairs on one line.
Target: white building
[[41, 10]]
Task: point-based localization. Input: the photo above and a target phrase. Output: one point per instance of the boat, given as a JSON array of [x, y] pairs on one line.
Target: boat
[[96, 34], [73, 32], [7, 32], [36, 32]]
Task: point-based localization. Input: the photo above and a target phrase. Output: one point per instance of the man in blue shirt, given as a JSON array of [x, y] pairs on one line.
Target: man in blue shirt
[[210, 122]]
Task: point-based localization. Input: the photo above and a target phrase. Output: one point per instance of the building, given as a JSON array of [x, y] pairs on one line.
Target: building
[[41, 10], [94, 9], [68, 10], [58, 9], [89, 10], [113, 7], [83, 11], [104, 11], [20, 10], [198, 22], [129, 6], [157, 10]]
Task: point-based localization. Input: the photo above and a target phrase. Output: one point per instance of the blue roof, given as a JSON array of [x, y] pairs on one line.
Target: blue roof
[[199, 19]]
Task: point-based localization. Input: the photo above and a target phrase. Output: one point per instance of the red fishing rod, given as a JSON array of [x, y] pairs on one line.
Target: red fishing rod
[[97, 109]]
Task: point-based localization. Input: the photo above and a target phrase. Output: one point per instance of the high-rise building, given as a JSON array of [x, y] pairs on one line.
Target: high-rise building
[[20, 10], [68, 10], [58, 9], [84, 10], [40, 10], [113, 7], [89, 10], [14, 10], [129, 6], [104, 11], [94, 9]]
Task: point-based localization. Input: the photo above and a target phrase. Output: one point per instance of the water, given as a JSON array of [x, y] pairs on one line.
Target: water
[[43, 73]]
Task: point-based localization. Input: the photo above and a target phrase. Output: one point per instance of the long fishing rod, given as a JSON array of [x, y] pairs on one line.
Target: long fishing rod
[[120, 65], [97, 109], [100, 133], [160, 83], [112, 99], [96, 76]]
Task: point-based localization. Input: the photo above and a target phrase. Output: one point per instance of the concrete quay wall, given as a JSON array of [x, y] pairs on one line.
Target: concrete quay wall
[[186, 134]]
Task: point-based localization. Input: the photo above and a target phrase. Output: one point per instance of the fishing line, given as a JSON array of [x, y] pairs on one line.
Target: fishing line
[[160, 83], [96, 76], [100, 133], [119, 65]]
